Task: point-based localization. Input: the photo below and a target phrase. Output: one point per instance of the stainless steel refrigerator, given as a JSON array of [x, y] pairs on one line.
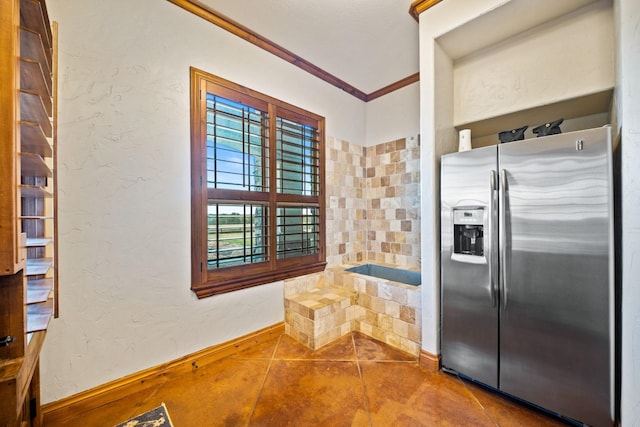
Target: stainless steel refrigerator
[[527, 271]]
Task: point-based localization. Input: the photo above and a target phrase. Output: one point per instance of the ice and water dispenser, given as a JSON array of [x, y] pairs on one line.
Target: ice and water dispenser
[[468, 231]]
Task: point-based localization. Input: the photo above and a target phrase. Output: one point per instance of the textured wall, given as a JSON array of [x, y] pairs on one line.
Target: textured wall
[[394, 116], [535, 68], [123, 173], [124, 188], [628, 20]]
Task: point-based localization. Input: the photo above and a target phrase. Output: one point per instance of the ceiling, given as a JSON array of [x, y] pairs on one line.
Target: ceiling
[[369, 44]]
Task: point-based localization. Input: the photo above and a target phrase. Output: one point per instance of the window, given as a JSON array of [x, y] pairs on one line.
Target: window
[[257, 180]]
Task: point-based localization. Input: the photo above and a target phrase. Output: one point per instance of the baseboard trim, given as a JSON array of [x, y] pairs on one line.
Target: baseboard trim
[[61, 410], [429, 361]]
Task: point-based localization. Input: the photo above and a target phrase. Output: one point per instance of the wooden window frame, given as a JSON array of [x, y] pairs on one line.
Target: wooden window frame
[[205, 282]]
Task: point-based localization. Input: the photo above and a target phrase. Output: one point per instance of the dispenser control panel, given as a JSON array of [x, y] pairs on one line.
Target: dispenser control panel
[[468, 231]]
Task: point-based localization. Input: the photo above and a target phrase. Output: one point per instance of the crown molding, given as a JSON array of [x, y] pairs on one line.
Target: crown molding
[[256, 39], [419, 6], [249, 35], [394, 86]]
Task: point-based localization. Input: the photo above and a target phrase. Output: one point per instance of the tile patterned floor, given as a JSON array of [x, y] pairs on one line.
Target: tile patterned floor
[[355, 381]]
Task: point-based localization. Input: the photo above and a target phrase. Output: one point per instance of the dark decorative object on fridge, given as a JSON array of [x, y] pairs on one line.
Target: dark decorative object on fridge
[[551, 128], [512, 135]]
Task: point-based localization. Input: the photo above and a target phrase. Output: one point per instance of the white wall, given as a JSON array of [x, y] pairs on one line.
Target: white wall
[[522, 71], [628, 89], [436, 137], [124, 191], [394, 116]]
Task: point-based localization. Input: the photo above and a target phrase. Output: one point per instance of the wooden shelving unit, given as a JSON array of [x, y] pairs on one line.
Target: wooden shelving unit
[[28, 279], [36, 152]]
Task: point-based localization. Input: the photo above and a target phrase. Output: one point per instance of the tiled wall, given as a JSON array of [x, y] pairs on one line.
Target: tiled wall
[[393, 203], [346, 202], [373, 203]]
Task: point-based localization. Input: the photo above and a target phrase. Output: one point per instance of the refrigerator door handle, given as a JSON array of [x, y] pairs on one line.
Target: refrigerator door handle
[[503, 237], [493, 214]]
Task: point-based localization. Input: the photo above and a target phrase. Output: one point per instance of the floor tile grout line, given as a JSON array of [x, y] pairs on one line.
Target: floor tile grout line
[[251, 358], [275, 348], [328, 359], [464, 384], [264, 381], [303, 359], [364, 389]]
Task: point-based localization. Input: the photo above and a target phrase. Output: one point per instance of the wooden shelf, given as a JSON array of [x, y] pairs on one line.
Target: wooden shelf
[[31, 47], [32, 110], [34, 191], [39, 315], [38, 266], [35, 217], [33, 140], [38, 242], [32, 79], [34, 165], [39, 290]]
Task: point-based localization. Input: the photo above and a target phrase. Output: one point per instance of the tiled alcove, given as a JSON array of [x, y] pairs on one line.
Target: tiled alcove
[[373, 203]]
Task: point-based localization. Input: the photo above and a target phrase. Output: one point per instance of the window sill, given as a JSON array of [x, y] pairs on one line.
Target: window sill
[[214, 287]]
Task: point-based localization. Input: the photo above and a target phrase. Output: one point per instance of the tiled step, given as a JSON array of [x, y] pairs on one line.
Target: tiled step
[[319, 316]]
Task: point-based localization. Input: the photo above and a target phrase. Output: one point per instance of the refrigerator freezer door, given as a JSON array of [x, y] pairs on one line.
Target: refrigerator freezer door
[[469, 300], [555, 325]]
